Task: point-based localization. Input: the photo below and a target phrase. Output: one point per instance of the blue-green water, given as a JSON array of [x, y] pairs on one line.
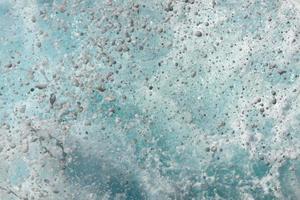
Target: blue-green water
[[157, 99]]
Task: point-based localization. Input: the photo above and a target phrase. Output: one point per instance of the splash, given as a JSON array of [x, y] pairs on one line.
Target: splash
[[122, 99]]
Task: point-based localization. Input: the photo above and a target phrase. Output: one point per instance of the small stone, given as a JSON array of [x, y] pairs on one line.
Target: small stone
[[88, 123], [259, 100], [198, 33], [10, 65], [62, 8], [222, 124], [25, 148], [52, 99], [23, 109], [160, 30], [101, 88], [120, 48], [109, 98], [41, 86], [274, 101], [280, 72], [213, 148], [194, 74], [169, 7], [33, 19], [190, 1], [125, 48], [111, 111]]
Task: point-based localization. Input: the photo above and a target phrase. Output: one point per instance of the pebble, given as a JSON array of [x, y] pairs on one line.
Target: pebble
[[194, 74], [198, 33], [109, 98], [33, 19], [10, 65], [41, 86], [101, 88], [25, 148], [12, 146], [280, 72], [52, 99], [39, 44], [213, 148], [169, 7], [23, 108]]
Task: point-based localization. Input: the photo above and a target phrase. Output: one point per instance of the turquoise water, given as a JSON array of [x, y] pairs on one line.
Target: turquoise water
[[157, 99]]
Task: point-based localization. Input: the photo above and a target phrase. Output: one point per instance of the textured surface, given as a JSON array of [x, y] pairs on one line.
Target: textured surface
[[153, 99]]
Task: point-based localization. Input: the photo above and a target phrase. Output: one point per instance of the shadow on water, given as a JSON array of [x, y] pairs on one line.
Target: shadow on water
[[100, 177]]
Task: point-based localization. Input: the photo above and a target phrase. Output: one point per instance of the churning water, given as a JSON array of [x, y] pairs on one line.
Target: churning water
[[149, 99]]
